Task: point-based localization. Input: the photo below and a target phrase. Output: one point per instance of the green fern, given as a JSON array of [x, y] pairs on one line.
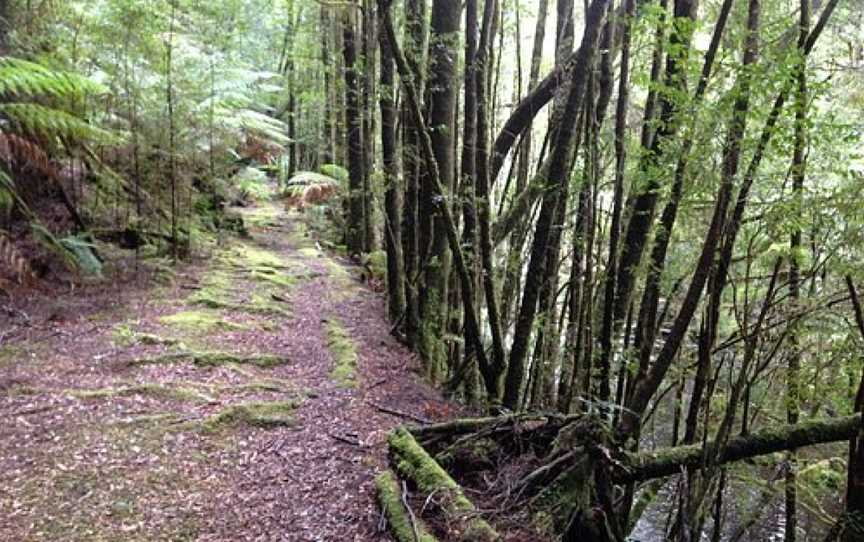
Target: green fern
[[46, 122], [77, 254], [21, 77], [336, 171], [84, 254]]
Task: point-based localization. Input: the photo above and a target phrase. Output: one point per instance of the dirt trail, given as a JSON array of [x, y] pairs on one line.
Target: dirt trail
[[239, 402]]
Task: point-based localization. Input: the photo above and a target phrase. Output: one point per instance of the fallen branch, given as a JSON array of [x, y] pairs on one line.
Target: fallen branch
[[399, 413], [353, 441]]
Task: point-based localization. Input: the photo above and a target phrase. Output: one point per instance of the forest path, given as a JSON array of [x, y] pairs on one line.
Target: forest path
[[239, 402]]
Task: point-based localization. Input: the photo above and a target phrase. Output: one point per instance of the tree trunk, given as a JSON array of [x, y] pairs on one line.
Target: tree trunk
[[793, 391], [557, 190], [415, 49], [483, 200], [354, 137], [369, 91], [392, 186], [852, 528], [442, 110]]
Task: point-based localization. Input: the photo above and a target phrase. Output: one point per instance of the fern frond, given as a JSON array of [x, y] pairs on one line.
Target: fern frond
[[46, 122], [272, 130], [13, 261], [52, 244], [336, 171], [9, 196], [310, 178], [84, 253], [21, 77], [19, 151]]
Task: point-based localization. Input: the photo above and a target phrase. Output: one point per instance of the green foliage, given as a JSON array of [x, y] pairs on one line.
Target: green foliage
[[76, 253], [20, 77], [336, 172]]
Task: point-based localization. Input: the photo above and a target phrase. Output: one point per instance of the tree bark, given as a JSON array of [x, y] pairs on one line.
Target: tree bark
[[442, 110], [392, 186], [852, 530], [354, 137], [415, 49]]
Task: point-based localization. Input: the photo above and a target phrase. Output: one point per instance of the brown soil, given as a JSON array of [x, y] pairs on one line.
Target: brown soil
[[96, 445]]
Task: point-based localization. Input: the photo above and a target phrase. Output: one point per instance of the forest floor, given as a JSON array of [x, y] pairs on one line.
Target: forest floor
[[246, 399]]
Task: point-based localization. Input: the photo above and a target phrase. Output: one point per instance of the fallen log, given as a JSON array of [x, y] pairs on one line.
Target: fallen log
[[413, 463], [403, 525], [636, 467]]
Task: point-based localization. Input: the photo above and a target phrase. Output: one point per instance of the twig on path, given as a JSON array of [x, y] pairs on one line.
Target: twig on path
[[32, 410], [378, 383], [410, 512], [346, 439], [399, 413], [277, 297]]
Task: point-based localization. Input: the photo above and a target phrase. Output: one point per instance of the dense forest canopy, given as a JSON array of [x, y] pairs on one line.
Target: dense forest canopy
[[629, 231]]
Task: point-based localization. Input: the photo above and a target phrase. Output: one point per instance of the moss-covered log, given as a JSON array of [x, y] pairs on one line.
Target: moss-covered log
[[402, 526], [412, 462], [665, 462]]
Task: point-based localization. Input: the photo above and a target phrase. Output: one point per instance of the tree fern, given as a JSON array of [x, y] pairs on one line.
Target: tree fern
[[46, 122], [12, 260], [24, 78], [76, 253]]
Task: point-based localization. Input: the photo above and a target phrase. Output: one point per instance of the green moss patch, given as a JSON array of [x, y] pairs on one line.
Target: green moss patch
[[248, 257], [267, 385], [342, 285], [257, 305], [264, 414], [344, 355], [212, 359], [124, 335]]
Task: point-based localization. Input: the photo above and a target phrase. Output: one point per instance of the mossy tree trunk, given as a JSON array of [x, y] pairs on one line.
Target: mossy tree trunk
[[392, 185], [443, 53], [412, 165], [354, 135]]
